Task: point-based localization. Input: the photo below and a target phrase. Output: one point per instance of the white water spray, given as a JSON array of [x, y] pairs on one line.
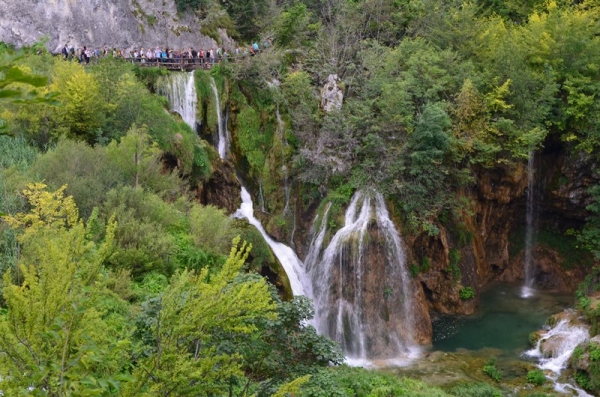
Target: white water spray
[[180, 91], [223, 132], [554, 350], [350, 294], [287, 257]]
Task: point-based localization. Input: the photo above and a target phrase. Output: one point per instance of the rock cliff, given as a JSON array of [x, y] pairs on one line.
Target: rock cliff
[[96, 23]]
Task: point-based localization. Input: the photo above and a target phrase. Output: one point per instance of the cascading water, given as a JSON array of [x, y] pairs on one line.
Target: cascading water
[[530, 228], [287, 257], [362, 290], [180, 91], [223, 144], [555, 348]]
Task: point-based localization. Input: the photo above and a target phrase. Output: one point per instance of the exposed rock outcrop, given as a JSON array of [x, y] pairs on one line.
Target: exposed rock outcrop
[[115, 23], [332, 96]]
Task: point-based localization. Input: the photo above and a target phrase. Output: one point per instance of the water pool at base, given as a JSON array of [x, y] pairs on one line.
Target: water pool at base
[[503, 321]]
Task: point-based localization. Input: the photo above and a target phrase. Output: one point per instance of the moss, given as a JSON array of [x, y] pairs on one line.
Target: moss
[[565, 244]]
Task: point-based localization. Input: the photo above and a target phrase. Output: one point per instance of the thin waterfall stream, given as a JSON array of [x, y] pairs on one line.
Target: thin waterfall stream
[[223, 135], [530, 229]]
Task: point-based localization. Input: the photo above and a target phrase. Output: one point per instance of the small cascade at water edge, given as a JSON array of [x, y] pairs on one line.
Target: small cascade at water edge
[[554, 350], [180, 91], [531, 226], [222, 129], [363, 293]]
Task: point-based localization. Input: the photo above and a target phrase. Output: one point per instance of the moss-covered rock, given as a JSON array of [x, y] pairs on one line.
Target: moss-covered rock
[[586, 363]]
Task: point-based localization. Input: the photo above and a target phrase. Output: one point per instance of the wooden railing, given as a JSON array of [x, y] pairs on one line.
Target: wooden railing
[[183, 64]]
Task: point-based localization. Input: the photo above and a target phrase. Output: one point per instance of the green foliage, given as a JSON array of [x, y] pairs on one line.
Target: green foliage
[[590, 235], [91, 173], [192, 5], [347, 382], [15, 152], [415, 269], [142, 243], [287, 347], [583, 379], [491, 370], [292, 25], [198, 320], [254, 139], [82, 111], [536, 377], [466, 293], [55, 334], [475, 390], [211, 229], [454, 257]]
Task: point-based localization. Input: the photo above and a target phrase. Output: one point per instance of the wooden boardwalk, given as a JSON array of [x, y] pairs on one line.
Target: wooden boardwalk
[[184, 65]]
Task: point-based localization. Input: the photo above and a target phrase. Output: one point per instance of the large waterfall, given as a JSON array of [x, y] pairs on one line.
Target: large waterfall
[[223, 144], [180, 90], [363, 293]]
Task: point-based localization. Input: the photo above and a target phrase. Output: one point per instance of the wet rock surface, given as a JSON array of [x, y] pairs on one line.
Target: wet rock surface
[[222, 189]]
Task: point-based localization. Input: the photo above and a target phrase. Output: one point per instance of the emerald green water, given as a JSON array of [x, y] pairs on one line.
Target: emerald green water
[[503, 321]]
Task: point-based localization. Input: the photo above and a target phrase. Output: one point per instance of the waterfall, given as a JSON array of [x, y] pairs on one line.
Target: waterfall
[[180, 91], [261, 197], [530, 229], [554, 349], [362, 290], [223, 133], [287, 257], [284, 170]]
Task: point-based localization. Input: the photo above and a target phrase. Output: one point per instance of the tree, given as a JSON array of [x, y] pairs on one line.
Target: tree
[[193, 326], [82, 112], [53, 337]]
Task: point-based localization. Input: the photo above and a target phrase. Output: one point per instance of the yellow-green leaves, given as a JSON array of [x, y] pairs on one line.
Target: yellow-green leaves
[[82, 111], [53, 336], [50, 209], [199, 320]]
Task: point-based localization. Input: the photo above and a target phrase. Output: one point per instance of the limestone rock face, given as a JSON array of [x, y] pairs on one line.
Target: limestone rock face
[[332, 96], [96, 23]]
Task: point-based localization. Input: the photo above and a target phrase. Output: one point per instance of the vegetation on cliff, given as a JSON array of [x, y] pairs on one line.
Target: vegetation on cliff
[[117, 282]]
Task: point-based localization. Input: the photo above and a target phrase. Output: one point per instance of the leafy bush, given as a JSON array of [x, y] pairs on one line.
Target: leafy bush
[[491, 370], [466, 293], [536, 377], [583, 379]]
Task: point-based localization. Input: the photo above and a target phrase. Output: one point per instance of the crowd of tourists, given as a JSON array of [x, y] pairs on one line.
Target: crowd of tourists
[[162, 55]]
